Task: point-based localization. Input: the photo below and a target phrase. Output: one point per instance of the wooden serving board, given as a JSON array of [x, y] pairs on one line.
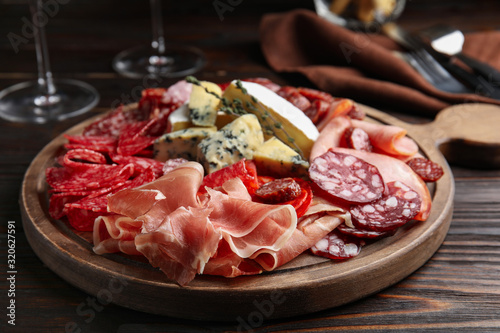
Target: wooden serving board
[[305, 285]]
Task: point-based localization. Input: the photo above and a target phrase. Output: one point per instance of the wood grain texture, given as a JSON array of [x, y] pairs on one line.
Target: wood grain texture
[[457, 290]]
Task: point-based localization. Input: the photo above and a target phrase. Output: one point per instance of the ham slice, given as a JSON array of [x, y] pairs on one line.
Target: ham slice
[[250, 226], [393, 169], [309, 231], [389, 139], [330, 136], [115, 233], [228, 264], [182, 244]]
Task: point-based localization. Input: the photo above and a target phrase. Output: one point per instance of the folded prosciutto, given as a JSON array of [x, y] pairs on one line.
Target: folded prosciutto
[[182, 232]]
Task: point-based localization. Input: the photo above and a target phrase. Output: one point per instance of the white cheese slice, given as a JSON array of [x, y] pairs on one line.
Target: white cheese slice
[[297, 127]]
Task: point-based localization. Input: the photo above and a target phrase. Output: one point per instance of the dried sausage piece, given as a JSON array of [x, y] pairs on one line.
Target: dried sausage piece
[[317, 111], [347, 177], [292, 95], [393, 210], [364, 234], [357, 138], [428, 170], [337, 246], [356, 113], [313, 94], [279, 190]]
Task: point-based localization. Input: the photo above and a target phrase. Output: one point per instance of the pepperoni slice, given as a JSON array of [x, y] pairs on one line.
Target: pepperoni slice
[[347, 177], [391, 211], [337, 246], [357, 138], [428, 170], [279, 190]]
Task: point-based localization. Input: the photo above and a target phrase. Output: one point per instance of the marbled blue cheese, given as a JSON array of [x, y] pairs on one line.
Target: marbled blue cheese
[[181, 144], [233, 142], [203, 106], [276, 115], [274, 158]]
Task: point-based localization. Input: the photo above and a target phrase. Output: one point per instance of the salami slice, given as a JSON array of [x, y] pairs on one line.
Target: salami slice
[[364, 234], [81, 159], [357, 138], [393, 210], [347, 177], [335, 245], [292, 95], [279, 190], [428, 170]]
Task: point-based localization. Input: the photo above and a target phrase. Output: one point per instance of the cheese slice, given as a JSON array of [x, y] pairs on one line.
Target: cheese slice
[[276, 114], [276, 159], [181, 144], [233, 142], [203, 106], [179, 119]]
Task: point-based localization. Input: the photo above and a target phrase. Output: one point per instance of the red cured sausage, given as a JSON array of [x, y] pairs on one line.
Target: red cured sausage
[[357, 138], [428, 170], [347, 177], [391, 211], [364, 234], [279, 190], [338, 246]]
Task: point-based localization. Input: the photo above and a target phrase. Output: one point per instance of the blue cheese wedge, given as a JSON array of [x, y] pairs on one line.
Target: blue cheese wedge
[[276, 114], [181, 144], [233, 142], [276, 159], [203, 105]]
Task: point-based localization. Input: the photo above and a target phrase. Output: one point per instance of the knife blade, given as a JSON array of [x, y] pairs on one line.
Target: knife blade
[[478, 84]]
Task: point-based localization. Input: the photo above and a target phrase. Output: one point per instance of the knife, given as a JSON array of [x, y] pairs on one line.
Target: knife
[[478, 84]]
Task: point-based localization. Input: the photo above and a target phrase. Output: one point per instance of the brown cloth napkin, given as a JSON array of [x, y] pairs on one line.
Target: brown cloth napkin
[[361, 66]]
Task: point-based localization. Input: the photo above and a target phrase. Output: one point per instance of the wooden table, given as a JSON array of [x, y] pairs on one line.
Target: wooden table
[[457, 290]]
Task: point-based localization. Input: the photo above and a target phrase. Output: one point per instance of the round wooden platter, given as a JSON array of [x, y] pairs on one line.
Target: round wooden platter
[[307, 284]]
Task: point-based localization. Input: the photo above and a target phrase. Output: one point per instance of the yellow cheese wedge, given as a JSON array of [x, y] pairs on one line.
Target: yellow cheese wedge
[[276, 159]]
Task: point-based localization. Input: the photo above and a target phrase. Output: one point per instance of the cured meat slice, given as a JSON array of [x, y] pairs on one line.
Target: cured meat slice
[[228, 264], [264, 82], [115, 233], [347, 177], [83, 159], [393, 169], [428, 170], [393, 210], [153, 201], [310, 230], [358, 139], [141, 164], [103, 144], [66, 179], [293, 95], [338, 246], [339, 108], [250, 226], [364, 234], [313, 95], [390, 139], [279, 190], [135, 138], [182, 244], [330, 136]]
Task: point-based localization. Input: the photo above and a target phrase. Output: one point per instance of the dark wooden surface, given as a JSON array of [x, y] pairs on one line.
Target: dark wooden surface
[[457, 290]]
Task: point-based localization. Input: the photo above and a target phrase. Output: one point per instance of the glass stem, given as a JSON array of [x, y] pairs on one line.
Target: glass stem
[[158, 42], [45, 80]]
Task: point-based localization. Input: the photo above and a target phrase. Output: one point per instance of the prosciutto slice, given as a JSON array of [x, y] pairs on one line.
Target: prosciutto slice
[[115, 233], [250, 226], [330, 136], [182, 244], [389, 139]]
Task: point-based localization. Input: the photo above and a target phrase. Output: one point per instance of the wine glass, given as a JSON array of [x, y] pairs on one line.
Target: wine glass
[[158, 59], [46, 99]]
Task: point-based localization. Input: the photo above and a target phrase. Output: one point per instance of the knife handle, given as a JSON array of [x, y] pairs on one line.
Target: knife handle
[[478, 83], [480, 68]]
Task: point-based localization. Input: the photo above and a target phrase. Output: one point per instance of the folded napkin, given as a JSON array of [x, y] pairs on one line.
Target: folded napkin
[[361, 66]]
